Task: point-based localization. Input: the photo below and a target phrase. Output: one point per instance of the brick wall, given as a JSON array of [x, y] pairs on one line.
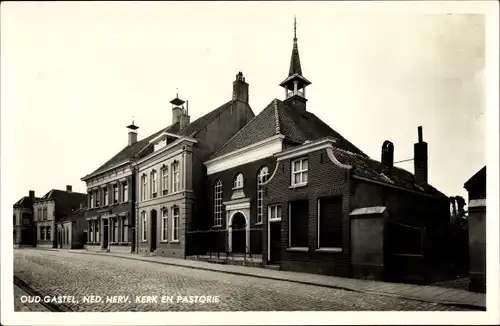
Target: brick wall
[[325, 179]]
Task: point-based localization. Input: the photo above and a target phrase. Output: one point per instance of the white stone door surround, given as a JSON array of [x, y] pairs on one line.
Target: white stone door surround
[[238, 206]]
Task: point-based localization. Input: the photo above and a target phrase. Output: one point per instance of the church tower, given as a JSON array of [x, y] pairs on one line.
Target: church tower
[[295, 84]]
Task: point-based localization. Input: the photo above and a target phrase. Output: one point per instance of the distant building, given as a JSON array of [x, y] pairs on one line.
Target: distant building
[[71, 230], [476, 187], [50, 209], [291, 188], [23, 222]]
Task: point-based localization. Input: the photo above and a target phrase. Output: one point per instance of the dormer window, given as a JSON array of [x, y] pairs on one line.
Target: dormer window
[[238, 181]]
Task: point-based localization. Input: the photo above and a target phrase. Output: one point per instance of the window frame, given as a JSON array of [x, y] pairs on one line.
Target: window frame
[[144, 226], [164, 225], [116, 193], [144, 187], [176, 180], [125, 191], [261, 179], [276, 208], [175, 224], [154, 184], [105, 196], [238, 181], [164, 181], [218, 206], [301, 172]]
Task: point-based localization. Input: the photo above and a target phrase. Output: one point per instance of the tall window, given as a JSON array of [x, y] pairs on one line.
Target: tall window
[[176, 181], [115, 194], [299, 218], [299, 172], [164, 225], [97, 201], [154, 185], [144, 189], [125, 192], [218, 203], [92, 199], [42, 233], [39, 213], [125, 230], [238, 181], [106, 197], [330, 222], [45, 213], [144, 226], [164, 180], [175, 224], [97, 239], [47, 235], [67, 235], [262, 177]]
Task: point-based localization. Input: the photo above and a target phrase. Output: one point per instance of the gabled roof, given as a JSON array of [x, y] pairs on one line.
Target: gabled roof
[[64, 196], [143, 148], [479, 178], [25, 202], [73, 215], [373, 170], [297, 126]]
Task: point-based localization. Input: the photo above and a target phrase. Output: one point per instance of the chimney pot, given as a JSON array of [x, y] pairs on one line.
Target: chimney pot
[[69, 188], [420, 135], [240, 88], [420, 160]]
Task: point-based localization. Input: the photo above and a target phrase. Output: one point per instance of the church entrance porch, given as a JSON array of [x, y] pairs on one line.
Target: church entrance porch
[[238, 225]]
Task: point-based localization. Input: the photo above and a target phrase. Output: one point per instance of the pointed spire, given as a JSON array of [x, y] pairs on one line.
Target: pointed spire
[[132, 126], [295, 60]]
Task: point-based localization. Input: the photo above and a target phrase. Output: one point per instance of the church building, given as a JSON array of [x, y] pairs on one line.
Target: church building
[[289, 187]]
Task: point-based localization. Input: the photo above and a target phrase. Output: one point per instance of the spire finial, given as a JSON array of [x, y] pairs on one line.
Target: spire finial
[[177, 92], [295, 27]]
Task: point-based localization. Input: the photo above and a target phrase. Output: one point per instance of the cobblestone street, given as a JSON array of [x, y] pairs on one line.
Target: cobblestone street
[[53, 273]]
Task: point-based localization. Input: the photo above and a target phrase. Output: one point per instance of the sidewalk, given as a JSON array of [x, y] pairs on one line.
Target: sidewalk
[[409, 291]]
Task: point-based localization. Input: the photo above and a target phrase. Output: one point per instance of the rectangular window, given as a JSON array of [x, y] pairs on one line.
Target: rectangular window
[[330, 222], [175, 224], [144, 189], [164, 225], [125, 230], [154, 185], [45, 213], [91, 233], [97, 239], [42, 233], [176, 183], [97, 198], [106, 197], [39, 214], [91, 196], [164, 178], [47, 235], [115, 194], [274, 213], [299, 172], [144, 226], [298, 223], [125, 192]]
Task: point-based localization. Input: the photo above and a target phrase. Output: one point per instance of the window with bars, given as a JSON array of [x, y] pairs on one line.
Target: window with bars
[[175, 224], [238, 181], [164, 225], [299, 172], [164, 182], [262, 177], [218, 209], [176, 181]]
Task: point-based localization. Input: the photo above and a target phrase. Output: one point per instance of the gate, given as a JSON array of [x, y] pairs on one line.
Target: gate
[[405, 258]]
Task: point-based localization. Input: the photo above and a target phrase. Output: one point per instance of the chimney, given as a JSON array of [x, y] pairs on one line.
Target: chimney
[[132, 133], [32, 194], [177, 110], [387, 157], [184, 118], [420, 160], [240, 88], [69, 188]]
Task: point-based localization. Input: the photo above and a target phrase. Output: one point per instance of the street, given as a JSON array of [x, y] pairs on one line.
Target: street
[[81, 282]]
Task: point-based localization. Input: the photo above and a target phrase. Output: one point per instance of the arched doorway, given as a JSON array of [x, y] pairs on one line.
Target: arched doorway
[[239, 233]]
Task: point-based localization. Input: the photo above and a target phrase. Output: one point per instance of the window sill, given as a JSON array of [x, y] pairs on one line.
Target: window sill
[[238, 188], [217, 226], [336, 250], [174, 241], [163, 241], [144, 241], [298, 249], [258, 223], [298, 185]]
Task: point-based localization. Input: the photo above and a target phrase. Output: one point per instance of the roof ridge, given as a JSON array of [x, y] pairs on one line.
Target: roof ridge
[[239, 131], [276, 114]]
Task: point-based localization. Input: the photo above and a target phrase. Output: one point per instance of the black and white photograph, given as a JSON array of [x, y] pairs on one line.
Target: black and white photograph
[[227, 163]]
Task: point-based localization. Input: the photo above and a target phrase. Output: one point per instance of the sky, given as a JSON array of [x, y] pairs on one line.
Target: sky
[[74, 74]]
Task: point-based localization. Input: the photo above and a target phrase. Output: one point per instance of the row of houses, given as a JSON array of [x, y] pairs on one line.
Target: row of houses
[[281, 186]]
